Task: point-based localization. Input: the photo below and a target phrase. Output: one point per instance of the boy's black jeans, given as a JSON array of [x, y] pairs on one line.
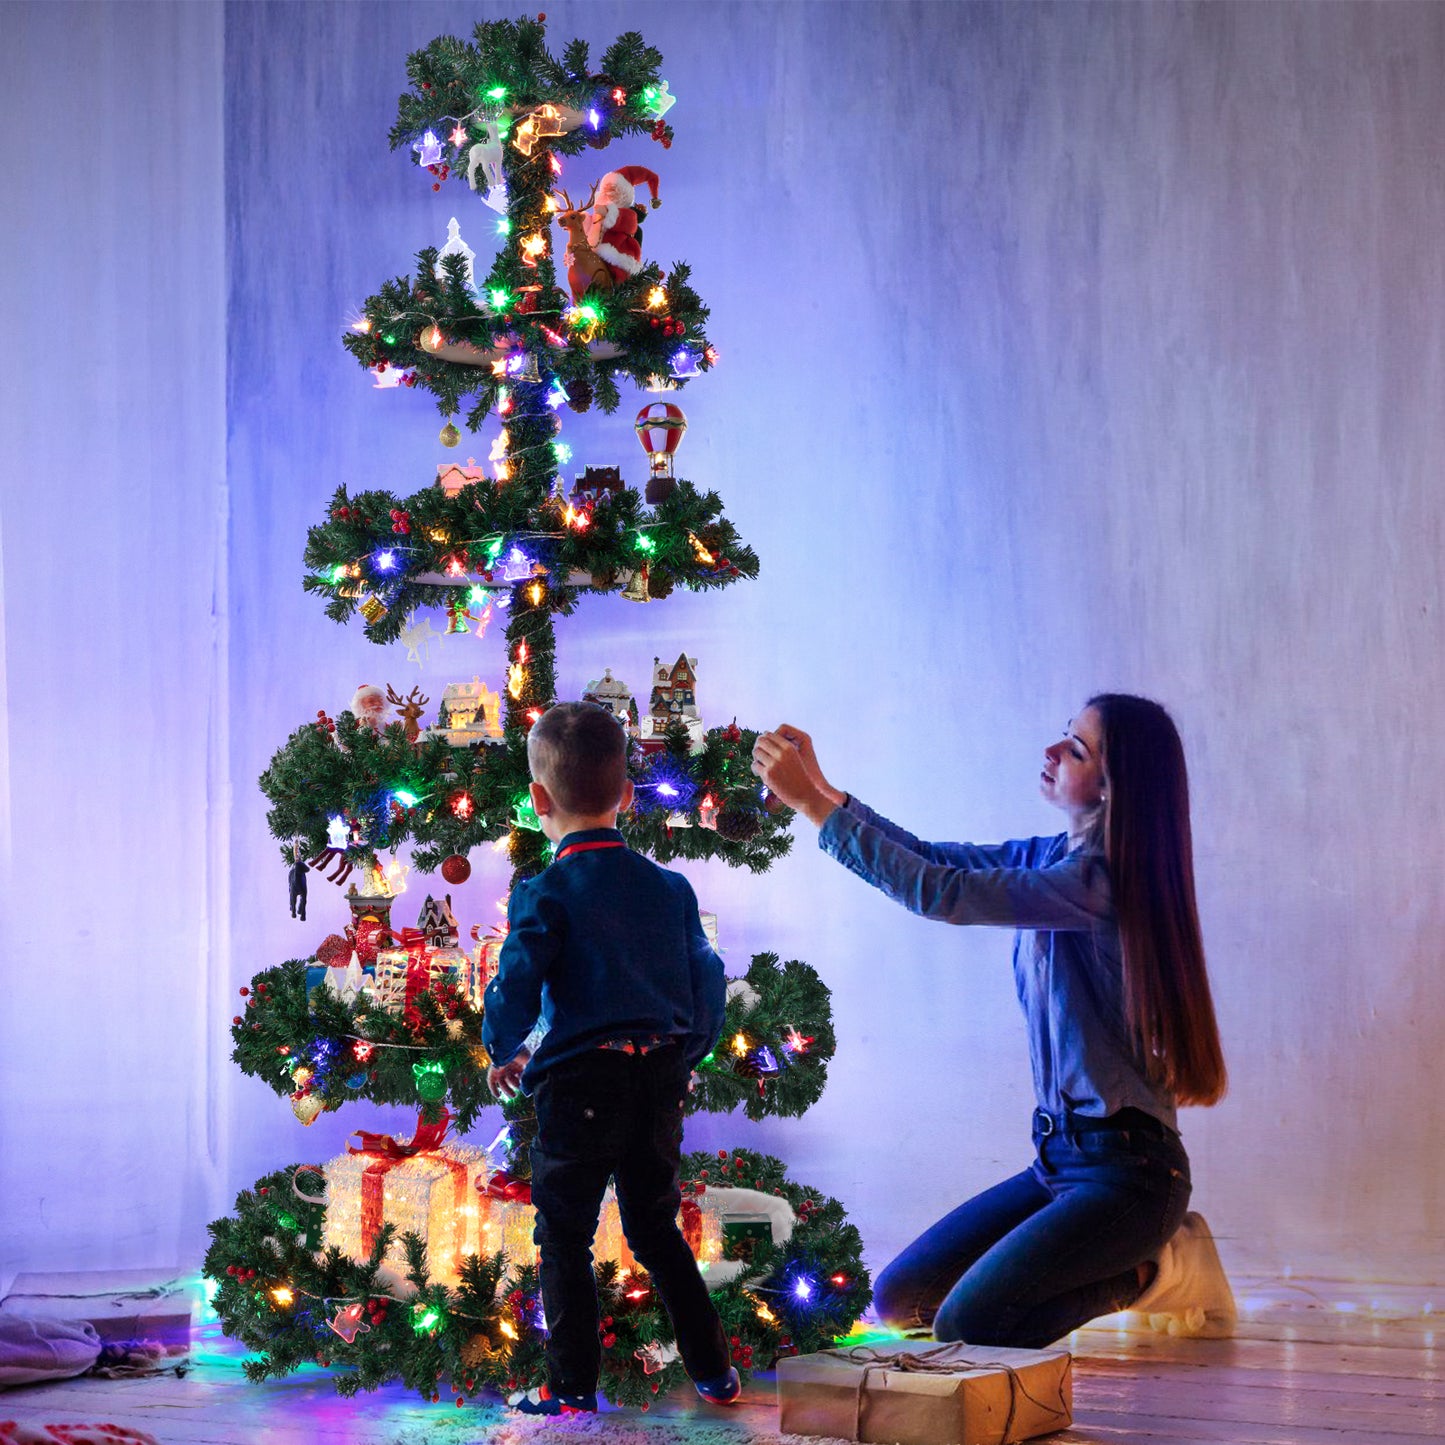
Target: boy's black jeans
[[607, 1114]]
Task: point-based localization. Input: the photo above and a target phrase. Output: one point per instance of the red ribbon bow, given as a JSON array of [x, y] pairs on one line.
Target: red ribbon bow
[[385, 1146]]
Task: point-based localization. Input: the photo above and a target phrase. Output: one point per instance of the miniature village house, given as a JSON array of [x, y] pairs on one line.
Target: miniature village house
[[615, 695], [470, 712], [673, 700], [452, 476], [596, 484]]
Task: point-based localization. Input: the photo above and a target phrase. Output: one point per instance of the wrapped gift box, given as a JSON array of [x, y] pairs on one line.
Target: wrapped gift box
[[916, 1392], [432, 1194]]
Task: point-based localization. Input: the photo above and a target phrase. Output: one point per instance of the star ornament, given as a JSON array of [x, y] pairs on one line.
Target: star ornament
[[428, 150]]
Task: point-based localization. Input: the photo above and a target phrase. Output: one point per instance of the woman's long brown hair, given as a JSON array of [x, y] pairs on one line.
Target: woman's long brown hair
[[1150, 852]]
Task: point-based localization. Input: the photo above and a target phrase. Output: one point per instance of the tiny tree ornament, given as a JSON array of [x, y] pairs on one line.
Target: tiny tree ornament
[[660, 426]]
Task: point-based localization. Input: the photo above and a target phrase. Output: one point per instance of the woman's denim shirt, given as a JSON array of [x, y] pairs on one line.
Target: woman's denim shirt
[[1068, 964]]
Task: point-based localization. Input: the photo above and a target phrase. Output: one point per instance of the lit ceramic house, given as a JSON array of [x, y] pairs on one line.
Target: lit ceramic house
[[597, 484], [438, 924], [673, 699], [452, 476], [470, 712], [615, 695]]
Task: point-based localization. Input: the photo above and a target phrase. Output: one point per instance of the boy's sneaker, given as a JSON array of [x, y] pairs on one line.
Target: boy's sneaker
[[542, 1401], [724, 1390]]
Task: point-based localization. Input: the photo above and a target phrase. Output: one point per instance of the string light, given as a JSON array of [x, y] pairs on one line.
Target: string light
[[282, 1295], [363, 326], [385, 561], [405, 798], [740, 1044], [656, 299], [535, 593]]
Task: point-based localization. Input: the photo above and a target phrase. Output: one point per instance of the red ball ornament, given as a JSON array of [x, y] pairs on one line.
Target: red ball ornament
[[456, 869]]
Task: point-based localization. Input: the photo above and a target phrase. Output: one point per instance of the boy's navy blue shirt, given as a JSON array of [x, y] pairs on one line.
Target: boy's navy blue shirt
[[602, 944]]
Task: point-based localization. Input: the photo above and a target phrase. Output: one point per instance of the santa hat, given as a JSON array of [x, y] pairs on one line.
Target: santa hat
[[632, 177]]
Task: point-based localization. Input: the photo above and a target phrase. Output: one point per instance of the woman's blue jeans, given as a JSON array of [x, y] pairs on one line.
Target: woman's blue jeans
[[1042, 1253]]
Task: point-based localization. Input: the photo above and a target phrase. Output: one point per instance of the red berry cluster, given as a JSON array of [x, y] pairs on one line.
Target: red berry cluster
[[348, 514], [441, 172], [742, 1354], [661, 132], [324, 724], [669, 325], [376, 1311], [400, 522], [244, 1275]]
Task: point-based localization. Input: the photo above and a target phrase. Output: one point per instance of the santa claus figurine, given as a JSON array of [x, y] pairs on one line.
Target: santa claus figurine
[[612, 222], [368, 706]]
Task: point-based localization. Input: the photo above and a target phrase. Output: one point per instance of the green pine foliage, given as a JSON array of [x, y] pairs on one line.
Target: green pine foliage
[[784, 1008], [357, 773], [358, 553], [353, 1050]]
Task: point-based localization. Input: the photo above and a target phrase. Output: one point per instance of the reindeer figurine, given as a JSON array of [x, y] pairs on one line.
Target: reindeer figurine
[[586, 270], [410, 708]]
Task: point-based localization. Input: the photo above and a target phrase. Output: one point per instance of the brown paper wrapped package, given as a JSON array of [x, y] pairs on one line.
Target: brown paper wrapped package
[[921, 1393]]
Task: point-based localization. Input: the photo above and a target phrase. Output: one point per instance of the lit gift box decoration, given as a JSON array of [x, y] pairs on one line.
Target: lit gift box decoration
[[432, 1194]]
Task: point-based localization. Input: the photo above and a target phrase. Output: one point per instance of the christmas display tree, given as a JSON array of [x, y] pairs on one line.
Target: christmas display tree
[[413, 1259]]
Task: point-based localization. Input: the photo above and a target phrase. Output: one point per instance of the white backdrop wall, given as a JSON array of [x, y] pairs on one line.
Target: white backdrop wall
[[114, 605], [1063, 347]]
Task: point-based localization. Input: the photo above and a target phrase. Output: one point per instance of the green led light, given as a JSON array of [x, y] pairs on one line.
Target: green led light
[[338, 572], [497, 92], [424, 1319], [587, 314], [563, 453], [646, 544], [504, 227], [478, 597], [405, 798], [390, 340], [498, 298], [524, 815], [493, 549]]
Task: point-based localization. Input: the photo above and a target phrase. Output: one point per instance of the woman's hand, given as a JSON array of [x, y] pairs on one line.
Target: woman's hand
[[784, 759]]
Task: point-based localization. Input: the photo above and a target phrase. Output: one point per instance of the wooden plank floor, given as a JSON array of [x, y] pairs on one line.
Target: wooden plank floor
[[1311, 1375]]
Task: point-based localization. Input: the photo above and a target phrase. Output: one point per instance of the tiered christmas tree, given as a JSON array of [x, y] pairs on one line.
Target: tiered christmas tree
[[414, 1259]]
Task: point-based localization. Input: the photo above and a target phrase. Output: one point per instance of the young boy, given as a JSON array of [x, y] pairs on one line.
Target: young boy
[[608, 950]]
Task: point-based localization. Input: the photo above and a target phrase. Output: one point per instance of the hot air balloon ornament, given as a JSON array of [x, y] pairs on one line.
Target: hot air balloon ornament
[[660, 426]]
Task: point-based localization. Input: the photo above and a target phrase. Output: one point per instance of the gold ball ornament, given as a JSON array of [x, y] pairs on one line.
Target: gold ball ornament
[[306, 1107], [449, 436]]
